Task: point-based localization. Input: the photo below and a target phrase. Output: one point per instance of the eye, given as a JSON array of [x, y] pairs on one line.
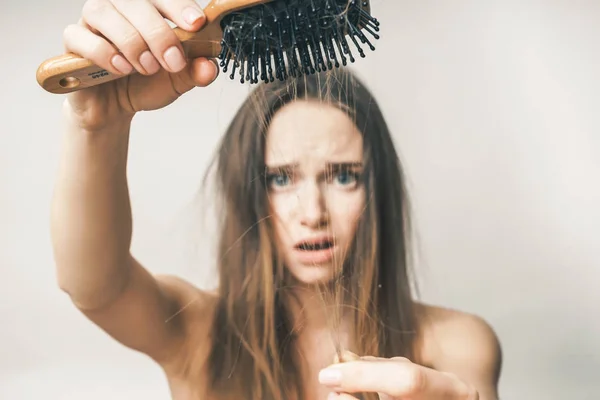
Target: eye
[[278, 180], [346, 178]]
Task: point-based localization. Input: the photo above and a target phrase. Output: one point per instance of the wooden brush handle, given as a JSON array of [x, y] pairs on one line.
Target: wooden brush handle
[[69, 72]]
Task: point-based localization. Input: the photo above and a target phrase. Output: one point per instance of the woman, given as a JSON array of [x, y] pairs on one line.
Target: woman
[[313, 246]]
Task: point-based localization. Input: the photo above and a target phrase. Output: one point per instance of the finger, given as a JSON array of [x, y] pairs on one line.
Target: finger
[[396, 379], [201, 72], [154, 30], [186, 14], [81, 41], [95, 31], [103, 17]]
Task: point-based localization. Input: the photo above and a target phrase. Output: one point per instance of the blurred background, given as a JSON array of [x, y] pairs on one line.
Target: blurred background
[[494, 107]]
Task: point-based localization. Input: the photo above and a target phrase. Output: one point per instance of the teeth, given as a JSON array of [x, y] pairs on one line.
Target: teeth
[[315, 246]]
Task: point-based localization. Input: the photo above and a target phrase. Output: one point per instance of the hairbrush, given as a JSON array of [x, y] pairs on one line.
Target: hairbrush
[[259, 39]]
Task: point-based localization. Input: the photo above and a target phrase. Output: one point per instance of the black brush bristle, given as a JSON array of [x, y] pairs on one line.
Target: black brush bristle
[[285, 38]]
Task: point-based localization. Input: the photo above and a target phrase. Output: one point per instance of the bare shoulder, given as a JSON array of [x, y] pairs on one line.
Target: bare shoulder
[[194, 307], [463, 344], [154, 314], [193, 313], [186, 294]]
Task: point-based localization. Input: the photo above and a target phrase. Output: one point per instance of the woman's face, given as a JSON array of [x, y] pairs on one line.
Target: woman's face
[[314, 156]]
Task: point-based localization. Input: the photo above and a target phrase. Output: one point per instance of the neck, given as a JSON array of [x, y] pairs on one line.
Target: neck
[[315, 309]]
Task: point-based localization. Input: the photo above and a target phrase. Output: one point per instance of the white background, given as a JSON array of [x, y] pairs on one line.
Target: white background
[[494, 106]]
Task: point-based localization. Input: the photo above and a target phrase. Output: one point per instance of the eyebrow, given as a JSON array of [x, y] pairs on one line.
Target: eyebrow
[[332, 166]]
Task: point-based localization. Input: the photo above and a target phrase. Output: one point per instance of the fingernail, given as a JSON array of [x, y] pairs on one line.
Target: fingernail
[[121, 64], [330, 376], [333, 395], [191, 15], [217, 68], [174, 59], [149, 62]]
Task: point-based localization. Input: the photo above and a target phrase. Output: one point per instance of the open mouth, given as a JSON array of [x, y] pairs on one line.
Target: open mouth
[[315, 245]]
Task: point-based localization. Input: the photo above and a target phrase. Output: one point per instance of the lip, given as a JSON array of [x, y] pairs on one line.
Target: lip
[[315, 256], [315, 239]]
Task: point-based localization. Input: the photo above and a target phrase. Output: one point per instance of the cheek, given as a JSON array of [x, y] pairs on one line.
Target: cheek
[[281, 207], [346, 209]]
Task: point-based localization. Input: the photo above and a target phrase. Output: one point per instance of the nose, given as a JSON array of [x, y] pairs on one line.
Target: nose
[[312, 207]]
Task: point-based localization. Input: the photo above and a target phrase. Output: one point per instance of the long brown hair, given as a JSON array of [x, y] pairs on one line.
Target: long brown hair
[[252, 353]]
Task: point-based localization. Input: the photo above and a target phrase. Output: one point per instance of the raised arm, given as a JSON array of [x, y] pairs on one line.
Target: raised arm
[[91, 234], [91, 214]]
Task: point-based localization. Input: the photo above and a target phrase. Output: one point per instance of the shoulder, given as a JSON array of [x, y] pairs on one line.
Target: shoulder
[[193, 312], [463, 344], [184, 291], [194, 305]]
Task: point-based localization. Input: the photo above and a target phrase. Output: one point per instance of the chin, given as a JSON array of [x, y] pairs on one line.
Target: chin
[[312, 274]]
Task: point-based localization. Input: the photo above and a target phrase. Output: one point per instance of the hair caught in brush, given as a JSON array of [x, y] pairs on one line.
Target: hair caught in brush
[[291, 38], [253, 352]]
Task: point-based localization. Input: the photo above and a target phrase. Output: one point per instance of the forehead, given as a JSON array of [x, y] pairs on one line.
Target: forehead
[[311, 132]]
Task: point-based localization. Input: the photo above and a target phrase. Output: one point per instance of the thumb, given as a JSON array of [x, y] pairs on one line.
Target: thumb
[[347, 356], [199, 72]]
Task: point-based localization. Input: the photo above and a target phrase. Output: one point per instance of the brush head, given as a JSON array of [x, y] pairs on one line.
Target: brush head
[[284, 38]]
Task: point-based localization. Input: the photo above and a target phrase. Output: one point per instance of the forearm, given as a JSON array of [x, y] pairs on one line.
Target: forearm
[[91, 214]]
